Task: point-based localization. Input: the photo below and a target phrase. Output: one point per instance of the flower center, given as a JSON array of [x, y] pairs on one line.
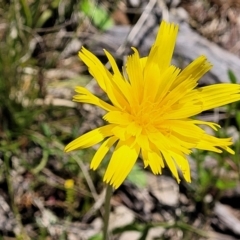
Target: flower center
[[146, 114]]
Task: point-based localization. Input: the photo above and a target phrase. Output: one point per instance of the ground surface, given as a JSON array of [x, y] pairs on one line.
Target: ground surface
[[38, 200]]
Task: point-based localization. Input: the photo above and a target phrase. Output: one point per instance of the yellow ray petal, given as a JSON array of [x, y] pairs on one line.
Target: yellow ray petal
[[171, 164], [186, 128], [212, 125], [152, 82], [218, 95], [116, 95], [186, 143], [215, 95], [155, 161], [120, 132], [145, 157], [121, 163], [89, 139], [183, 165], [159, 140], [113, 64], [166, 80], [184, 135], [118, 117], [102, 151], [196, 69], [164, 45], [119, 82], [164, 143], [178, 92], [143, 141], [103, 77], [211, 143], [143, 62], [85, 96], [133, 129], [184, 110], [96, 68], [135, 74]]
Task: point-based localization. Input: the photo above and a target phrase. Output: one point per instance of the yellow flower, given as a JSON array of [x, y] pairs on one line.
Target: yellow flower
[[152, 103]]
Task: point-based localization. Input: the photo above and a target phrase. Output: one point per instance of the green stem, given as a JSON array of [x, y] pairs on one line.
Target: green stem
[[27, 12], [107, 211]]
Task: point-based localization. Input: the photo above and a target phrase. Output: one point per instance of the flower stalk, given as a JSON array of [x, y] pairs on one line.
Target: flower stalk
[[107, 208]]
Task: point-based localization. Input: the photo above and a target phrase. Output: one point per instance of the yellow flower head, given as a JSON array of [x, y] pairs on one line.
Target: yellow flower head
[[151, 108]]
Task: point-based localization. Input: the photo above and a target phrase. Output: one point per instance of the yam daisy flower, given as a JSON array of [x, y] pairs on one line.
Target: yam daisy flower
[[150, 112]]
